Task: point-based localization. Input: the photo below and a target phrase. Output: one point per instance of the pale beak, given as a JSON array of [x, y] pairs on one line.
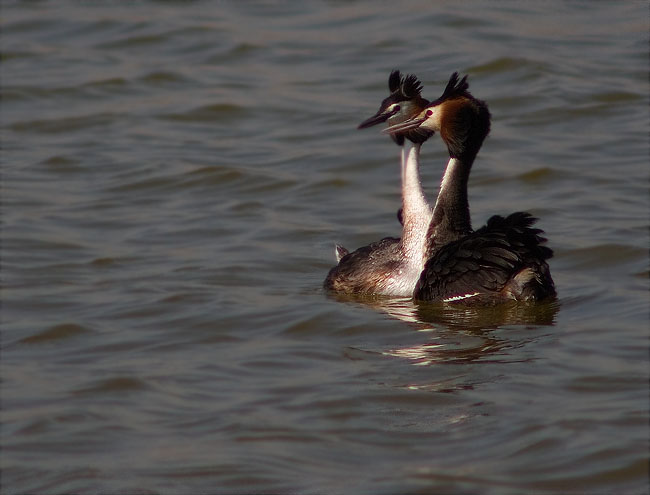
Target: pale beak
[[404, 126]]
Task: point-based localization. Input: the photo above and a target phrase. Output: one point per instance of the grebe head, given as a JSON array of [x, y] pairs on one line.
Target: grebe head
[[462, 120], [403, 103]]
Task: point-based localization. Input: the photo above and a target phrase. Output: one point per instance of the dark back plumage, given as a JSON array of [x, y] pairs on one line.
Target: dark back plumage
[[364, 270], [504, 260]]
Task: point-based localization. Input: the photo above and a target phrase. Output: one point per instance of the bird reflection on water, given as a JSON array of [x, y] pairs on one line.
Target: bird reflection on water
[[457, 334]]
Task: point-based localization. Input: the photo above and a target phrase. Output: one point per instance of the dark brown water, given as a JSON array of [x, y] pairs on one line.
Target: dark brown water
[[174, 178]]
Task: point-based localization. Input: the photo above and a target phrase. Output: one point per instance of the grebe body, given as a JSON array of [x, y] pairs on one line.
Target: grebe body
[[392, 266], [505, 259]]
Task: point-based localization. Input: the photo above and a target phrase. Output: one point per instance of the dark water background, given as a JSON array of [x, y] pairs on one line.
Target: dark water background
[[174, 177]]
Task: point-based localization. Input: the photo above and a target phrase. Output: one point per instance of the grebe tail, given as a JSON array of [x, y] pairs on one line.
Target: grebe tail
[[340, 252]]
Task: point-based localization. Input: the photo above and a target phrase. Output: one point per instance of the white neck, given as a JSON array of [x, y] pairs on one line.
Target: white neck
[[402, 164], [416, 216], [416, 210], [451, 171]]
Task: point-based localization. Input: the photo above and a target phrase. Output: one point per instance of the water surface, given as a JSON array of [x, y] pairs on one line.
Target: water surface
[[175, 176]]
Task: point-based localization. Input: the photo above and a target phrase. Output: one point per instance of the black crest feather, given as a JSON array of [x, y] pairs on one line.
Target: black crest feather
[[394, 80], [407, 87], [411, 86], [455, 88]]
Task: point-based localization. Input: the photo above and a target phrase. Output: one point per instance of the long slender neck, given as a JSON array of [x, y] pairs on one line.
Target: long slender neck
[[464, 125], [451, 218], [416, 210]]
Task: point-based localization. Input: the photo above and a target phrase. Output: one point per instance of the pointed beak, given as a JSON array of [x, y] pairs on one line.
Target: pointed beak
[[404, 126], [378, 118]]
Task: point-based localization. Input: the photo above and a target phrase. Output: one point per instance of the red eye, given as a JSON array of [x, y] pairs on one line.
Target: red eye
[[429, 113]]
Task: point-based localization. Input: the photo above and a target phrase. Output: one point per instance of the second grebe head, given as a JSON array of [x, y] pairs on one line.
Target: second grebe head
[[462, 120], [403, 103]]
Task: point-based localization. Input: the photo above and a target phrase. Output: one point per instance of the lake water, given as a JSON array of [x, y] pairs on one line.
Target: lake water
[[174, 178]]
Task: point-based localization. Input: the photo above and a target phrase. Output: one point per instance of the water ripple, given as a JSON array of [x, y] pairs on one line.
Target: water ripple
[[55, 333], [174, 179]]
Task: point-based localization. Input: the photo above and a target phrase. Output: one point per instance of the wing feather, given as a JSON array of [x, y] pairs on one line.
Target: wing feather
[[487, 261]]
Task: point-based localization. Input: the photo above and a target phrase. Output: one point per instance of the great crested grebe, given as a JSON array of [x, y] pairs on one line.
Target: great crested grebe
[[392, 266], [505, 259]]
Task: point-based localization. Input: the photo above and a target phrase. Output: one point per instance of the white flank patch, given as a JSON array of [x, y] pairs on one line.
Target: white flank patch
[[460, 298]]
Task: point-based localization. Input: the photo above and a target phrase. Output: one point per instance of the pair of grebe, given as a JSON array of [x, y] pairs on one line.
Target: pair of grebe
[[439, 257]]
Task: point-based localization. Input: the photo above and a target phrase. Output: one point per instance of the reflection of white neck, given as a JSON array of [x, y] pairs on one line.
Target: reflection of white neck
[[416, 210]]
